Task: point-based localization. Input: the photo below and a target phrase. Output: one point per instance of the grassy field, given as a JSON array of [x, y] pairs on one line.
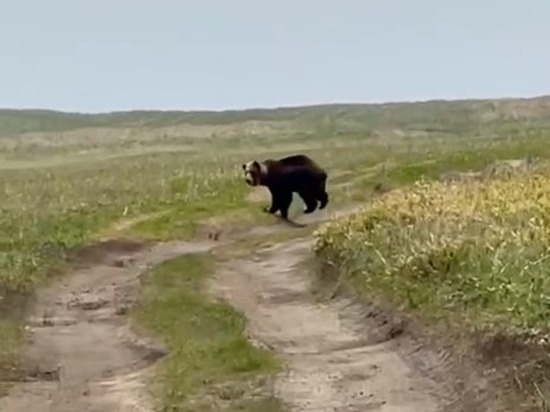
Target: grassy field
[[68, 179]]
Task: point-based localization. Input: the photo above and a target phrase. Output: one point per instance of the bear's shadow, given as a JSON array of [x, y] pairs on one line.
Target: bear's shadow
[[289, 222], [292, 223]]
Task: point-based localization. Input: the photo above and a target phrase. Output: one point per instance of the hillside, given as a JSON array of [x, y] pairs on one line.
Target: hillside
[[437, 115]]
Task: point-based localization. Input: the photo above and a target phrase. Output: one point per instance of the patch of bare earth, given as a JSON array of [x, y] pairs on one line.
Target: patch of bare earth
[[80, 354], [337, 360]]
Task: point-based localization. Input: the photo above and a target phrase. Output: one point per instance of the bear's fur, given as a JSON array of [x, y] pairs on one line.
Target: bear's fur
[[292, 174]]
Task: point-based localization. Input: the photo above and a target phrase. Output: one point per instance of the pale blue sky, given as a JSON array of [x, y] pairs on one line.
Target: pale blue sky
[[222, 54]]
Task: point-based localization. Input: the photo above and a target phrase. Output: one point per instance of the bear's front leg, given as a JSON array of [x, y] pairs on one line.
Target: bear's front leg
[[274, 202], [284, 200]]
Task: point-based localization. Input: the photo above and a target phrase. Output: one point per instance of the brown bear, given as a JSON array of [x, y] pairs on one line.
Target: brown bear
[[292, 174]]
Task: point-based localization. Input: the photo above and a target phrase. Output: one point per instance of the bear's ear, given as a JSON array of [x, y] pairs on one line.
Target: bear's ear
[[252, 165]]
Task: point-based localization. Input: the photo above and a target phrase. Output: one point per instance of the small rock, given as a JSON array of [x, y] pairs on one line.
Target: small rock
[[123, 262], [121, 310]]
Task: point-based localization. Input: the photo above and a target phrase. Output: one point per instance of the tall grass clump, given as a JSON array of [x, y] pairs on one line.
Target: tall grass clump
[[476, 250]]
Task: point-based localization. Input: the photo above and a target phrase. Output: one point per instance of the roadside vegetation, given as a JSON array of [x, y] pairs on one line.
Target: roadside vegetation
[[470, 257], [70, 179], [478, 248]]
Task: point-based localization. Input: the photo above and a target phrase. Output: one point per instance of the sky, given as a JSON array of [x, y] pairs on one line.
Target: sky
[[105, 55]]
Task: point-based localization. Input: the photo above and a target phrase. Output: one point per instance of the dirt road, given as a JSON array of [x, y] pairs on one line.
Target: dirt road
[[81, 355], [334, 364]]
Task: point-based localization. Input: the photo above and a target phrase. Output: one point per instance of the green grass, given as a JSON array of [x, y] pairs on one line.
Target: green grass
[[10, 337], [46, 214], [210, 359]]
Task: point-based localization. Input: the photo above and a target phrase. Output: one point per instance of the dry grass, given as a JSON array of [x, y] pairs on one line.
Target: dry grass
[[480, 248]]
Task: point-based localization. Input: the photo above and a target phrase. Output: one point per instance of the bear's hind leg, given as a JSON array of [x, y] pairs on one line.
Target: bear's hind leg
[[310, 201], [323, 199]]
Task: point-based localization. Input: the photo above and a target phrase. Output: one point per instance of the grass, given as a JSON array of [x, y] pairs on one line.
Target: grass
[[45, 214], [477, 248], [10, 337], [210, 360]]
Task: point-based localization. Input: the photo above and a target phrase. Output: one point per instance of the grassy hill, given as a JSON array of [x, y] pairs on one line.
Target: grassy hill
[[436, 115], [32, 135]]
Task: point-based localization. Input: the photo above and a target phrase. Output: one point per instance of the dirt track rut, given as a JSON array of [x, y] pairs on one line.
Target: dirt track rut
[[82, 356], [333, 363]]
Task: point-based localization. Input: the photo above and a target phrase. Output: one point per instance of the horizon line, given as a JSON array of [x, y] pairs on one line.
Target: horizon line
[[284, 106]]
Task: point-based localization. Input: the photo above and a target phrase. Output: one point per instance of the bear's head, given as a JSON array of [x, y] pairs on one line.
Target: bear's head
[[254, 172]]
